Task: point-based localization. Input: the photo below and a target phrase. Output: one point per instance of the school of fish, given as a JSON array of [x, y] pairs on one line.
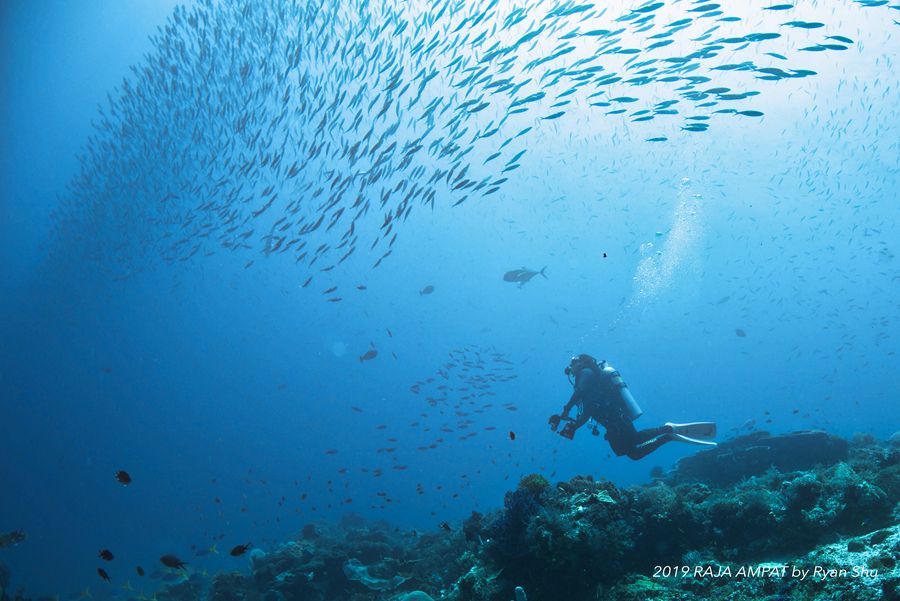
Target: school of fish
[[313, 130]]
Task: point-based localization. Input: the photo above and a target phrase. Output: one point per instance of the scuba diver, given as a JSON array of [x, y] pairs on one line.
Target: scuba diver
[[602, 395]]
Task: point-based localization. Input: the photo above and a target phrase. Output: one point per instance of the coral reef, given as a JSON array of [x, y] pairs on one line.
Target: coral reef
[[355, 560], [827, 530], [796, 495], [183, 591]]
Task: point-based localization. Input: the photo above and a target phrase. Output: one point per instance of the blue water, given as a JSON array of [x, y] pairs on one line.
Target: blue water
[[749, 278]]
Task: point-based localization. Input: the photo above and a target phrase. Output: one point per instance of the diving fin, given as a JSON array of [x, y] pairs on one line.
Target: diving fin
[[688, 439], [694, 429]]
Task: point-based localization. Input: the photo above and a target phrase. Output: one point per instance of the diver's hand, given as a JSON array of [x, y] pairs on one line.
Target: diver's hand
[[554, 422]]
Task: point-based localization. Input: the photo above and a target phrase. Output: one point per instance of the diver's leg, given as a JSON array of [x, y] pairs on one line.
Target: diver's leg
[[651, 433], [645, 448], [625, 440], [621, 436]]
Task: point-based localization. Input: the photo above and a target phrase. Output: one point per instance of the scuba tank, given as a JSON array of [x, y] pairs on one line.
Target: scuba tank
[[630, 407]]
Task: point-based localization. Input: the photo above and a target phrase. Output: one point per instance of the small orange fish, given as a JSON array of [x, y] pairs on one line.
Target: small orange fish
[[105, 555], [123, 477]]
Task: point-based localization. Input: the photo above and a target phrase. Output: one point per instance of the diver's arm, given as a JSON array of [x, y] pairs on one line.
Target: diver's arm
[[572, 402]]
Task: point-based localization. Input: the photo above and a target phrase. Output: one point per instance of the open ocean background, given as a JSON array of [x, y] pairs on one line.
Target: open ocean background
[[750, 278]]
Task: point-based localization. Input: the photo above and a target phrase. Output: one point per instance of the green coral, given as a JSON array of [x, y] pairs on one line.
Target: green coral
[[536, 484]]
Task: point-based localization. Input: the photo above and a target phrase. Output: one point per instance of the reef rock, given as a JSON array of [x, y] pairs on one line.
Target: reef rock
[[754, 454], [894, 439]]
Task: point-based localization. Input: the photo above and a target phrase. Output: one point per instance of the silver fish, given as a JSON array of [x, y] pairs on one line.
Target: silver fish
[[523, 276]]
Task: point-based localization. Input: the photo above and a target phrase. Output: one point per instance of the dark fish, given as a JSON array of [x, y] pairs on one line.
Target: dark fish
[[426, 290], [102, 573], [361, 287], [740, 333], [446, 526], [522, 276], [123, 477], [11, 538], [239, 550], [105, 555], [368, 355], [512, 435], [171, 561], [139, 570]]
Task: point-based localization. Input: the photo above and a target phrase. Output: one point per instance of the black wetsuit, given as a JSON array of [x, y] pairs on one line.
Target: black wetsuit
[[600, 400]]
